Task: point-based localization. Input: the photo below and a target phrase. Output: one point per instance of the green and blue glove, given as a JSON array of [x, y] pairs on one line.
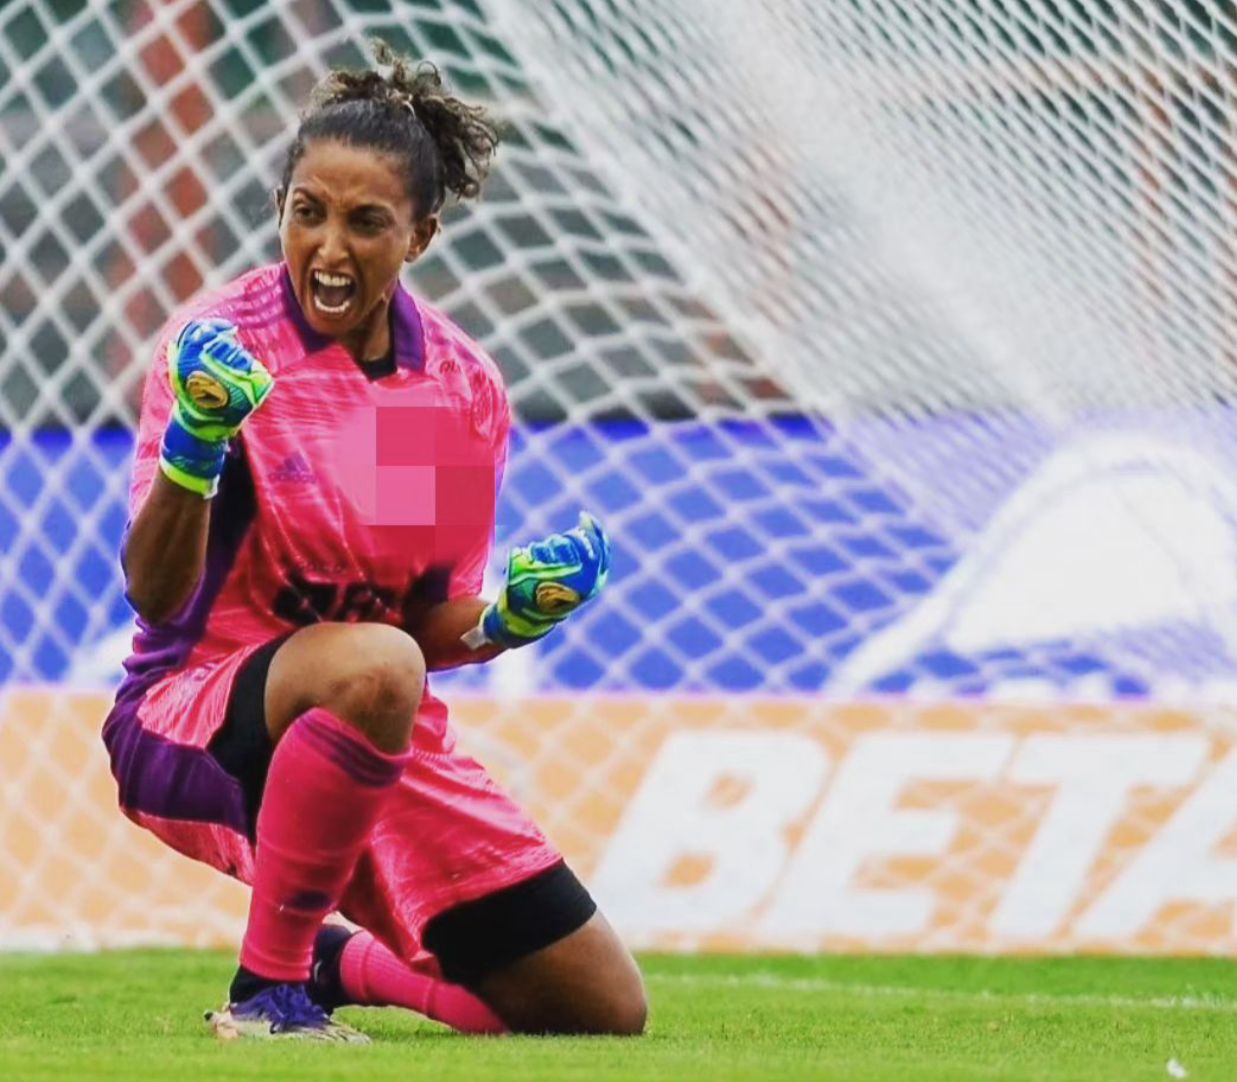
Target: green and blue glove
[[546, 582], [218, 384]]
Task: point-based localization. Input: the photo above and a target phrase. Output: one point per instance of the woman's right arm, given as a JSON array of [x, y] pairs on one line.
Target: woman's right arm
[[165, 553], [208, 390]]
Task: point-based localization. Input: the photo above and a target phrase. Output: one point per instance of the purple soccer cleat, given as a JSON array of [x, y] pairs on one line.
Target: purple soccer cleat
[[283, 1011]]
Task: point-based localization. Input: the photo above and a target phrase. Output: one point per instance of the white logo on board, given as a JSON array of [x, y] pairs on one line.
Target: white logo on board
[[760, 835]]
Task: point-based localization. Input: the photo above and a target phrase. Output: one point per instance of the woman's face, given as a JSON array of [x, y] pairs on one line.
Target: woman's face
[[346, 224]]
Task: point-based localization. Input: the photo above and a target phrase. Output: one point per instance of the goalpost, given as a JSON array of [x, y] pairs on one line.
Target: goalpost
[[892, 339]]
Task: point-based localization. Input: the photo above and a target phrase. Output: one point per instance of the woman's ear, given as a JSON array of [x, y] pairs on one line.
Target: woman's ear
[[278, 194], [423, 232]]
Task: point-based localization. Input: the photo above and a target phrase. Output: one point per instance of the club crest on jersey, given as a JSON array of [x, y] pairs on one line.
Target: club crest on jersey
[[206, 391], [553, 598]]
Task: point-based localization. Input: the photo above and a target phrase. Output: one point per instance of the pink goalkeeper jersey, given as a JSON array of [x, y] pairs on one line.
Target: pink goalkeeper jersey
[[344, 498]]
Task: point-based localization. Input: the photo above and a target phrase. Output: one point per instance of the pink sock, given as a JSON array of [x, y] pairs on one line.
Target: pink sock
[[325, 787], [374, 977]]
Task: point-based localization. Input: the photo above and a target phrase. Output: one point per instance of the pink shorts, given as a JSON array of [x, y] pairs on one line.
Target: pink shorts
[[448, 834]]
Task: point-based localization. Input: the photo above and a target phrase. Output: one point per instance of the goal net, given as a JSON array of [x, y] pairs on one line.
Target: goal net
[[892, 340]]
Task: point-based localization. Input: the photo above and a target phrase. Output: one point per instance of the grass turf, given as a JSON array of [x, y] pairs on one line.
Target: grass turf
[[136, 1017]]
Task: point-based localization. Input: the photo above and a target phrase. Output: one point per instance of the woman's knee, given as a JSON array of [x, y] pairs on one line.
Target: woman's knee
[[587, 983], [371, 676], [601, 1011], [625, 1012]]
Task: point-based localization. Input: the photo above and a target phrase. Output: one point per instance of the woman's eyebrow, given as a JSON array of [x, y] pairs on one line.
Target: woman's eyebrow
[[380, 208]]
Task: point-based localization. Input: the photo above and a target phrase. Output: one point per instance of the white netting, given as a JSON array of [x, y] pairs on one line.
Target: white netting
[[891, 338]]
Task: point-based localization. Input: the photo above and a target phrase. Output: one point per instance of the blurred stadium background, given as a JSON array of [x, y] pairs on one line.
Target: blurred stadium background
[[893, 340]]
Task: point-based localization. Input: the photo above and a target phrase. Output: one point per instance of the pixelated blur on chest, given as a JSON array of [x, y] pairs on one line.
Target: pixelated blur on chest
[[371, 486]]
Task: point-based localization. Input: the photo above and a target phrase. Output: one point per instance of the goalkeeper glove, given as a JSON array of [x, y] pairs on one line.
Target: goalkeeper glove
[[218, 384], [546, 582]]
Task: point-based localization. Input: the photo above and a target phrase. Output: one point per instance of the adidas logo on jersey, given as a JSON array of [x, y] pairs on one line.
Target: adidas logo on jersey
[[294, 470]]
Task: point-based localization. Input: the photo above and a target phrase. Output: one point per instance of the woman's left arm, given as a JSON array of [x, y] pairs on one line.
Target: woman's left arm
[[439, 631]]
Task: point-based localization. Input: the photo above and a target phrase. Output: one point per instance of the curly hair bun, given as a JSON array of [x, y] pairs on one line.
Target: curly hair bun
[[406, 111]]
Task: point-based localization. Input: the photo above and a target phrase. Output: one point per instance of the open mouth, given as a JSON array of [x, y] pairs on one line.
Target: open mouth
[[332, 294]]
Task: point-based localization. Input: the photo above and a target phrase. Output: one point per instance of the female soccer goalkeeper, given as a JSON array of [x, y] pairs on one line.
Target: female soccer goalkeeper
[[312, 508]]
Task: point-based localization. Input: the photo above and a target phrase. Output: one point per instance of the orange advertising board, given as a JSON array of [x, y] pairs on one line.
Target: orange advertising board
[[742, 824]]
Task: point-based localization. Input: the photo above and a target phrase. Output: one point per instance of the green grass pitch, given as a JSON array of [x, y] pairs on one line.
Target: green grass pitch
[[136, 1017]]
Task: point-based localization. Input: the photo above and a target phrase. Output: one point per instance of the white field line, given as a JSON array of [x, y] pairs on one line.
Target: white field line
[[981, 998]]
